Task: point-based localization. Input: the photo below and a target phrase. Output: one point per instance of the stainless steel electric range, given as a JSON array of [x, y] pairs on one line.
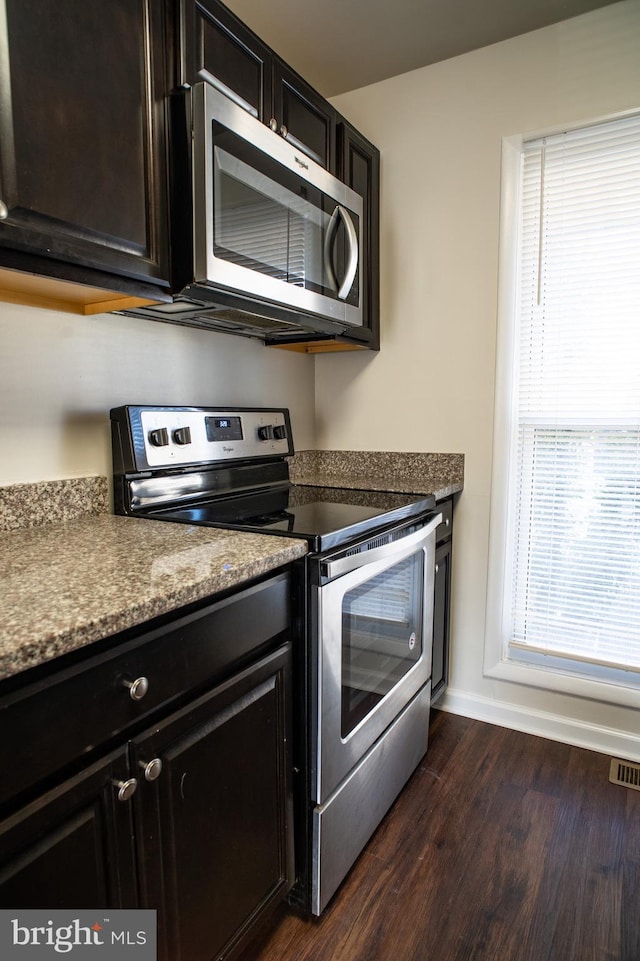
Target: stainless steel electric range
[[364, 602]]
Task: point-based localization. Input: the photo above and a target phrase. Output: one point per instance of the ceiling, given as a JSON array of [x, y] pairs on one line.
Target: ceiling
[[340, 45]]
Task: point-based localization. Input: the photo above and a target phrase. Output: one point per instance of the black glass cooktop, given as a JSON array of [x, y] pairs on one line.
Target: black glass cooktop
[[326, 517]]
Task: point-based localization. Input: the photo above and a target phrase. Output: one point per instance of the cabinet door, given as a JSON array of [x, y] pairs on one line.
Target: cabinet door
[[218, 48], [72, 847], [359, 168], [310, 121], [214, 844], [82, 156], [440, 667]]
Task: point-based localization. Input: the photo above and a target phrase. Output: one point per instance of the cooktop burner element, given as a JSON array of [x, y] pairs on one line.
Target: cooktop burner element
[[227, 467]]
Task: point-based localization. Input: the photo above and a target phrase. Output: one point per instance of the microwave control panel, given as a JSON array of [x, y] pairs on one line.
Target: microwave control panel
[[166, 437]]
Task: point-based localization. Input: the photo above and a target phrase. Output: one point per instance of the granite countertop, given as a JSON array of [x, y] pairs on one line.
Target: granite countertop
[[67, 584], [440, 475]]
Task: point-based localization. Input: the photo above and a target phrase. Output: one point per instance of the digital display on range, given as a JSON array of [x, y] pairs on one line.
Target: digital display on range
[[223, 428]]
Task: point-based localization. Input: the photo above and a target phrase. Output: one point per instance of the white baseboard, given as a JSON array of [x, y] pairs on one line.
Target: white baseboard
[[593, 737]]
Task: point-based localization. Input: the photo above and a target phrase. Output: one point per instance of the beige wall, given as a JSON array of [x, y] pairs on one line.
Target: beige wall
[[432, 386], [60, 374]]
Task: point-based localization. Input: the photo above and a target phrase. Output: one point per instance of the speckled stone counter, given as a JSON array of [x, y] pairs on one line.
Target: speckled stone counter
[[413, 473], [46, 502], [67, 585]]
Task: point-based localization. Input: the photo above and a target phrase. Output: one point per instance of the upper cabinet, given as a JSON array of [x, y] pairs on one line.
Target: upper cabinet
[[217, 47], [82, 143], [302, 116], [359, 168]]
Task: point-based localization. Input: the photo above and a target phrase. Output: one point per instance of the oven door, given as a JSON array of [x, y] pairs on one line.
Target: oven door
[[268, 221], [372, 614]]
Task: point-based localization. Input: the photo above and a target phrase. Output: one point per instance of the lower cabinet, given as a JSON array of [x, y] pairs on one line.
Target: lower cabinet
[[72, 846], [442, 602], [211, 828], [190, 816]]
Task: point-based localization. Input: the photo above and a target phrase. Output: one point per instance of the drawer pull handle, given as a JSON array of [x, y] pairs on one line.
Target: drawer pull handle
[[126, 789], [437, 568], [152, 769], [137, 688], [4, 210]]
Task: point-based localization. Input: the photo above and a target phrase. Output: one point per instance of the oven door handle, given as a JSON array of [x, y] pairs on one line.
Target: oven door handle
[[403, 546]]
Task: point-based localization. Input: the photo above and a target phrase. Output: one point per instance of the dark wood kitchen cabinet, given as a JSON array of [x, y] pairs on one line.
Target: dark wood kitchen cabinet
[[83, 178], [216, 817], [359, 168], [442, 601], [71, 847], [190, 814], [217, 47], [304, 117]]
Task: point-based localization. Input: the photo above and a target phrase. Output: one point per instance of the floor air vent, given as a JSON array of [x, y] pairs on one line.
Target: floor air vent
[[625, 773]]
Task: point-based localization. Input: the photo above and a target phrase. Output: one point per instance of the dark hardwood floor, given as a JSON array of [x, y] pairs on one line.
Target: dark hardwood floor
[[502, 847]]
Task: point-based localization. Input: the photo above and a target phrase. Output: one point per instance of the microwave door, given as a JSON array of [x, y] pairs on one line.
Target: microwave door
[[262, 225]]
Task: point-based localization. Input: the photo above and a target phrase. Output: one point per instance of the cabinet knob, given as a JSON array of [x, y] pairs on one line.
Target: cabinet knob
[[273, 123], [138, 688], [284, 131], [4, 211], [126, 789], [152, 769], [437, 568], [446, 522]]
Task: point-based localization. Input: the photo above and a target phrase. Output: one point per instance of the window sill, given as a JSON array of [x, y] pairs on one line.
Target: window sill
[[603, 689]]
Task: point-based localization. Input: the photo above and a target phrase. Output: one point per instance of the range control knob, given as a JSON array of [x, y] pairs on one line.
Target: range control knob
[[182, 435], [159, 437], [280, 432], [266, 432]]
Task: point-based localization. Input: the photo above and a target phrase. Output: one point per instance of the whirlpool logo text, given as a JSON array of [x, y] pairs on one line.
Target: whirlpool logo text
[[27, 935]]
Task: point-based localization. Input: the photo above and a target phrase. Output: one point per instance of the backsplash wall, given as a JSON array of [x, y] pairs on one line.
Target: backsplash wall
[[60, 374]]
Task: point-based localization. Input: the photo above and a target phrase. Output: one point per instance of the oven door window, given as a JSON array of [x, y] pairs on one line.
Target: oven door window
[[273, 223], [382, 637]]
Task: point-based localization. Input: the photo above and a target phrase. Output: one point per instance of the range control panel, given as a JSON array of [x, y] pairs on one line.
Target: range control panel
[[163, 437]]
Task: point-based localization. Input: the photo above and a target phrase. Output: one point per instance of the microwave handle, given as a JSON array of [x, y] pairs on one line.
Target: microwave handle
[[349, 277], [352, 239]]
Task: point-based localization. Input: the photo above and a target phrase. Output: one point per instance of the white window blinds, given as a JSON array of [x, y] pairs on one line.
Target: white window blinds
[[576, 546]]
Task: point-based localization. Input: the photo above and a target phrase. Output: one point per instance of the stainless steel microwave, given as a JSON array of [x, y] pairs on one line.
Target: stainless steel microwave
[[277, 239]]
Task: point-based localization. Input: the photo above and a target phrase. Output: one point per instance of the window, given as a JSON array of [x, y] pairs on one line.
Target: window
[[567, 583]]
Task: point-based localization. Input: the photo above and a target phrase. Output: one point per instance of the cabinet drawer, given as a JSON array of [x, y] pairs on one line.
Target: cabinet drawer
[[445, 527], [52, 723]]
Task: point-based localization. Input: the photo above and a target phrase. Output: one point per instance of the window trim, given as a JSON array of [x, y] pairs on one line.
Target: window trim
[[541, 671]]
